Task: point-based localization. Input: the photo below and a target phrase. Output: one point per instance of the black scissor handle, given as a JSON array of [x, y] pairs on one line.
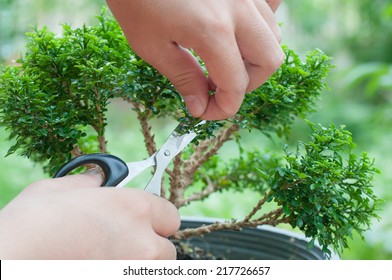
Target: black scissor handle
[[114, 168]]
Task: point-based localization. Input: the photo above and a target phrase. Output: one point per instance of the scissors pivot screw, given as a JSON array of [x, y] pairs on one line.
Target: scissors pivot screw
[[167, 153]]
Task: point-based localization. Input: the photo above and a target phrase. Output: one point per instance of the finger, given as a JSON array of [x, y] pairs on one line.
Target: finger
[[227, 73], [161, 215], [274, 4], [259, 46], [186, 74], [165, 217], [151, 247], [267, 13], [166, 249]]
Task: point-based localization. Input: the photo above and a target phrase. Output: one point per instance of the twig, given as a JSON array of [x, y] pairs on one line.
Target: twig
[[207, 149], [76, 151], [143, 116], [102, 144], [268, 219], [271, 216], [211, 188], [256, 208], [176, 182]]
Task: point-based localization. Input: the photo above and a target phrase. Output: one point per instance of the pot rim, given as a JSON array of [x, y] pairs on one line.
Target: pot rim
[[269, 228]]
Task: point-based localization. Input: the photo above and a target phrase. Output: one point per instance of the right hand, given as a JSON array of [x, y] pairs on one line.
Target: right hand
[[238, 40]]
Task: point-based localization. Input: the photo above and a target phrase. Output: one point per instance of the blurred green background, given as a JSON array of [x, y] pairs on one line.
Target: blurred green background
[[357, 33]]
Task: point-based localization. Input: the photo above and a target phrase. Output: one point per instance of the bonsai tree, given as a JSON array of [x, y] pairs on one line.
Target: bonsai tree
[[54, 105]]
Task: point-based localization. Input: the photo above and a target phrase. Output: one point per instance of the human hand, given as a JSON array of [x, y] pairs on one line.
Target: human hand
[[73, 218], [237, 40]]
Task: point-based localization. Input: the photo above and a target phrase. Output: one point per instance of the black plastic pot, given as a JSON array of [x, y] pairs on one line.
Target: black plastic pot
[[263, 243]]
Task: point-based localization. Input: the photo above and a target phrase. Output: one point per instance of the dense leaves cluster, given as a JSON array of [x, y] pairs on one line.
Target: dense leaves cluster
[[62, 86], [325, 189], [291, 92]]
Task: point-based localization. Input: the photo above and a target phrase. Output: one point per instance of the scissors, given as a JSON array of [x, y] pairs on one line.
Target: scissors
[[117, 173]]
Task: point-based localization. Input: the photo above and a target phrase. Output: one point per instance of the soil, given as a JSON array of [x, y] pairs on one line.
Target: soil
[[185, 252]]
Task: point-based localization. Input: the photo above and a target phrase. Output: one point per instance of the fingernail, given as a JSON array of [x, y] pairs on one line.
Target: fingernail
[[194, 105]]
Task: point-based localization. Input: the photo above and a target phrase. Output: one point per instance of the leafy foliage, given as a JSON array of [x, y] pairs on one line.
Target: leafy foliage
[[250, 171], [325, 189], [54, 106], [291, 92], [62, 86]]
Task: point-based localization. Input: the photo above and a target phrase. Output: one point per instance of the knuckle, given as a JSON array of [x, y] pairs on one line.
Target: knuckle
[[143, 208], [133, 201], [219, 24], [219, 27]]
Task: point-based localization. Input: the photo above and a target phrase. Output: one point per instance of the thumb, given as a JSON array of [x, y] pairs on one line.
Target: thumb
[[185, 73], [92, 178]]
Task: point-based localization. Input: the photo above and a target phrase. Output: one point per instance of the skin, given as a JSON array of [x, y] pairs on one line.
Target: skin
[[238, 41], [74, 218]]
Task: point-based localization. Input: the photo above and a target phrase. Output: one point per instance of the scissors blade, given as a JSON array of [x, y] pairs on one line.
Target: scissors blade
[[172, 147], [183, 140]]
